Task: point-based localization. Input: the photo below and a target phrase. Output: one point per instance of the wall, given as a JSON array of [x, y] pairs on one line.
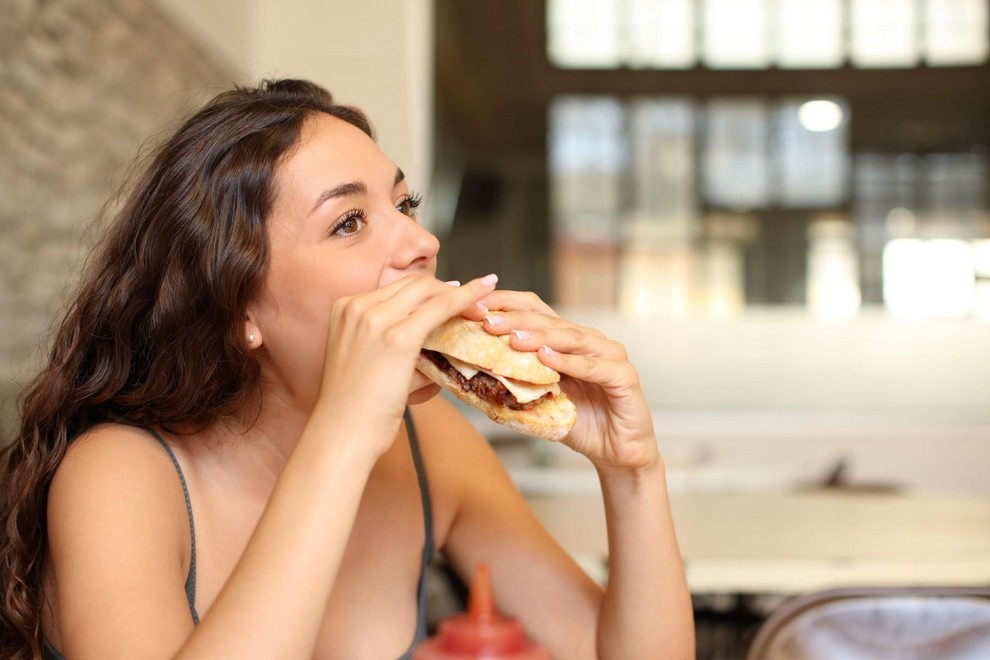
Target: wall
[[85, 84], [375, 54]]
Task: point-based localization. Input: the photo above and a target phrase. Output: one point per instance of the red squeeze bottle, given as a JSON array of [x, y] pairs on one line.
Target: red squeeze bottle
[[481, 633]]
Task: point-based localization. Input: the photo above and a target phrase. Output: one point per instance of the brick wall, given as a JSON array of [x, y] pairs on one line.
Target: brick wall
[[85, 83]]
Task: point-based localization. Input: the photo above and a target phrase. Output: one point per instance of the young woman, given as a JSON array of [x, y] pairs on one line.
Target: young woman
[[231, 454]]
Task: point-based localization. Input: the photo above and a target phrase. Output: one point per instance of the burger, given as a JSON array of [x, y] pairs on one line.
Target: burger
[[511, 387]]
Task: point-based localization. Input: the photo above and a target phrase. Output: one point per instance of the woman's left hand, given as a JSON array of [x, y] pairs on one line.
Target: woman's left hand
[[614, 428]]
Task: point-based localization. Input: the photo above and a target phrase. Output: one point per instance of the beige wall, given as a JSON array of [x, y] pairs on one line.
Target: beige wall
[[375, 54]]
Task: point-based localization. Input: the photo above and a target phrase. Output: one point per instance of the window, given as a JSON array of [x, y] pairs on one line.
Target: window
[[812, 159], [956, 32], [884, 33], [583, 33], [735, 157], [661, 206], [809, 34], [735, 34], [588, 156], [661, 34], [757, 34]]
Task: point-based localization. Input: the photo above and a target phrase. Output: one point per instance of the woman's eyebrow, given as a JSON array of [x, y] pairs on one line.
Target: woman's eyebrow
[[351, 188], [343, 190]]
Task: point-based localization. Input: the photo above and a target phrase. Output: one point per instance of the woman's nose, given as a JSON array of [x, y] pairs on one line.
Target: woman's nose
[[415, 244]]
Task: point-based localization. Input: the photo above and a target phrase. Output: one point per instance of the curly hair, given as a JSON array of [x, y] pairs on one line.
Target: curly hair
[[154, 333]]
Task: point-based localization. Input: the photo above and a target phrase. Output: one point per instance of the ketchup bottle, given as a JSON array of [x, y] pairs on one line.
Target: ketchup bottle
[[481, 632]]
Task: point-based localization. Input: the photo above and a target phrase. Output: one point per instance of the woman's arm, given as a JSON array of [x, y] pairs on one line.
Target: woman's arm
[[646, 609]]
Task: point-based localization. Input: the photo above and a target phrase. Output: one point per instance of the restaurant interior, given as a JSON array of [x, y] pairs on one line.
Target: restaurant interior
[[780, 207]]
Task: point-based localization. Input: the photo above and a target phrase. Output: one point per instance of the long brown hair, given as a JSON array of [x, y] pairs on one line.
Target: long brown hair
[[155, 332]]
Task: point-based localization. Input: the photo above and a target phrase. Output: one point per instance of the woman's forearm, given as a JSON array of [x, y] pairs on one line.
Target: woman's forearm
[[274, 602], [646, 611]]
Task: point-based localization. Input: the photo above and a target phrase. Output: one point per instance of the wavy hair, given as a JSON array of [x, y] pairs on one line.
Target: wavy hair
[[154, 333]]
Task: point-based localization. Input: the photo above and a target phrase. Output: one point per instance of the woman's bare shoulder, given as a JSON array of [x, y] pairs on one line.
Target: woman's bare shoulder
[[106, 449], [111, 476]]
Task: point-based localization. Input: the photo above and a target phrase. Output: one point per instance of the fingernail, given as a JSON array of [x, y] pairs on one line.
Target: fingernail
[[546, 349], [482, 308], [521, 335], [489, 280], [454, 283], [494, 320]]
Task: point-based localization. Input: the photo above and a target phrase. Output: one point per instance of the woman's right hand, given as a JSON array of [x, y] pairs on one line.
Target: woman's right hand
[[373, 341]]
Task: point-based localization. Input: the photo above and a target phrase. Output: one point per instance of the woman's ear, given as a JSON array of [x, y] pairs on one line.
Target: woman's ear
[[252, 335]]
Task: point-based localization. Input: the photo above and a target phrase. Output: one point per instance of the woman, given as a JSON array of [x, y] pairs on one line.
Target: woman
[[251, 325]]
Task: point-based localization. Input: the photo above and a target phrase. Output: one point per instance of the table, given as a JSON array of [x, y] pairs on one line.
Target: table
[[793, 542]]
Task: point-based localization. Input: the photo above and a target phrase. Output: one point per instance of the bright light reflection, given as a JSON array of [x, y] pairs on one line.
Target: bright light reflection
[[929, 279], [982, 257], [833, 271], [820, 116]]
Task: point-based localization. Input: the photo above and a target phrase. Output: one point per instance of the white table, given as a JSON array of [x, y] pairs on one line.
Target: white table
[[792, 542]]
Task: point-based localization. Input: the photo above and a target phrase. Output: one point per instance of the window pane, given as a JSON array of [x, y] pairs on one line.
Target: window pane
[[663, 185], [735, 34], [956, 32], [735, 160], [809, 34], [661, 34], [587, 160], [884, 33], [955, 185], [583, 33], [812, 164]]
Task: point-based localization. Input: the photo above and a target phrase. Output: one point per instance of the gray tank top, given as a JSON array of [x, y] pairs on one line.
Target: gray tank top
[[48, 652]]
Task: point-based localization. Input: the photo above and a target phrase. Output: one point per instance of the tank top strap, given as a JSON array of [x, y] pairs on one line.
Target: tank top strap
[[428, 544], [191, 576]]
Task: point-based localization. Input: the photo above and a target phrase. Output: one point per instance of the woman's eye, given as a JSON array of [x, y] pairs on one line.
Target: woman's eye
[[348, 226], [409, 205]]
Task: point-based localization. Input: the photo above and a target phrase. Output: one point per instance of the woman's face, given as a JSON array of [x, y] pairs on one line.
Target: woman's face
[[343, 223]]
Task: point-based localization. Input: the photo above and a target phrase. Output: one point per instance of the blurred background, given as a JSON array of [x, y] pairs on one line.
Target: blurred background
[[781, 207]]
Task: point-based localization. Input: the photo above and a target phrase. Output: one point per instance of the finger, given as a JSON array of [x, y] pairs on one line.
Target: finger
[[382, 309], [610, 374], [532, 329], [517, 300], [444, 302], [475, 312], [571, 339], [501, 322]]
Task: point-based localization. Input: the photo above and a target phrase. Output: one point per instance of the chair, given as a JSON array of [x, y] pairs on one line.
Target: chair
[[879, 624]]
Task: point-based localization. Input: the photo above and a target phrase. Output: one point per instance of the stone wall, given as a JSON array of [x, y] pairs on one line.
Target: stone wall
[[85, 84]]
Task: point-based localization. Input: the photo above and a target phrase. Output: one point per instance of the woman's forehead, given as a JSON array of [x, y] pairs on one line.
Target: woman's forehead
[[331, 151]]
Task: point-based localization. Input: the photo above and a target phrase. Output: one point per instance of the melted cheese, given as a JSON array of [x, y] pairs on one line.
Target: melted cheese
[[464, 368], [524, 392]]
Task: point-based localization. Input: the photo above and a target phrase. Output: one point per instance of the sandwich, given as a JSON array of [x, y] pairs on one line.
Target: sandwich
[[511, 387]]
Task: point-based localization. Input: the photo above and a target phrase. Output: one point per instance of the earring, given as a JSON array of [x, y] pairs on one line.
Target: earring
[[250, 339]]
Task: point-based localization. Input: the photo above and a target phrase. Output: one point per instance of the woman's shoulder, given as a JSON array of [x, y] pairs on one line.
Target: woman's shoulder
[[115, 472], [111, 446]]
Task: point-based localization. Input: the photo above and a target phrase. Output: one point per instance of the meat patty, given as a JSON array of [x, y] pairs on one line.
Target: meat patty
[[481, 384]]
